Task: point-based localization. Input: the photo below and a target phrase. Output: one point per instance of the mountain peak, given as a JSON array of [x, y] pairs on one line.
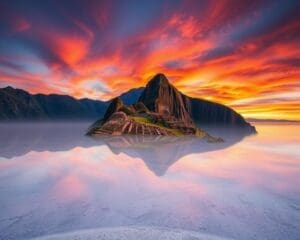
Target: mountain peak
[[159, 80], [114, 106], [162, 97], [10, 88]]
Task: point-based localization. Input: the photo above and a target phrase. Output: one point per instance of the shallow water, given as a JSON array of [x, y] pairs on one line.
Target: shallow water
[[53, 179]]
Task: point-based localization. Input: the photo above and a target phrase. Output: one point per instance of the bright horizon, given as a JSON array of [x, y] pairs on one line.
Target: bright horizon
[[241, 54]]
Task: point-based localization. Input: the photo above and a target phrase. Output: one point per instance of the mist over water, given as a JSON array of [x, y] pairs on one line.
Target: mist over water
[[54, 179]]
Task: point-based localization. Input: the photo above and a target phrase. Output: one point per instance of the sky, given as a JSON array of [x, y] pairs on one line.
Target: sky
[[244, 54]]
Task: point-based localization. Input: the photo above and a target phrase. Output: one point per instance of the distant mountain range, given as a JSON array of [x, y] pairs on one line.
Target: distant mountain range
[[17, 104]]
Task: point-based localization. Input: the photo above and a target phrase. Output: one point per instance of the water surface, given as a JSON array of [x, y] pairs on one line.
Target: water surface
[[54, 180]]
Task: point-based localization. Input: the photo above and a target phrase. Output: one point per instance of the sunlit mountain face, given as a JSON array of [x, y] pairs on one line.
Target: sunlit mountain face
[[244, 54]]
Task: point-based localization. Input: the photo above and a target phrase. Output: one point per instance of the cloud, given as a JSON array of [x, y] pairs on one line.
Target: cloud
[[241, 53]]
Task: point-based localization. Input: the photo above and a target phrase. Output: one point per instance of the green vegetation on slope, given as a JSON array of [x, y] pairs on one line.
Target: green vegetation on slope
[[147, 121]]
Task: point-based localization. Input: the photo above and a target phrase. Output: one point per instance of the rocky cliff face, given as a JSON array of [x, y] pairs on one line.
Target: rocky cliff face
[[161, 97], [115, 105]]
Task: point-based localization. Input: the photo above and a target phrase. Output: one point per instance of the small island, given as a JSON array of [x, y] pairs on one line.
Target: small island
[[161, 110]]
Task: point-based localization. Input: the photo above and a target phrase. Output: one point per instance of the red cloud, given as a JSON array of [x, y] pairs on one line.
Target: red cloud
[[202, 54]]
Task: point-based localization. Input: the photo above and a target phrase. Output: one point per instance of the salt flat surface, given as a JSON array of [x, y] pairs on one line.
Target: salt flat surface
[[125, 233], [54, 180]]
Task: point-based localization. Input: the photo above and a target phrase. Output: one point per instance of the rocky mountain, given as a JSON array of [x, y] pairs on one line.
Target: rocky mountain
[[163, 110], [115, 105], [136, 119], [162, 97]]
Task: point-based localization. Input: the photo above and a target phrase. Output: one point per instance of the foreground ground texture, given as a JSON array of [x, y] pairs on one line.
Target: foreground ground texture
[[126, 233]]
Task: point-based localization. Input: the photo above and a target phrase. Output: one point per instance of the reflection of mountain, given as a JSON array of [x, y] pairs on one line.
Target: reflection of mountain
[[158, 153]]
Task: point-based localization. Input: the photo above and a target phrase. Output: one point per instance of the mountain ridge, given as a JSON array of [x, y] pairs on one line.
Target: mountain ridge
[[17, 104], [21, 105]]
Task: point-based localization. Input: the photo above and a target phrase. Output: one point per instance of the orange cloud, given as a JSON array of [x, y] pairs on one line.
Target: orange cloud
[[242, 58], [71, 49]]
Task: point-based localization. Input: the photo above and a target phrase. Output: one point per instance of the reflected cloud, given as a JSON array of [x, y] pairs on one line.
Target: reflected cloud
[[157, 152]]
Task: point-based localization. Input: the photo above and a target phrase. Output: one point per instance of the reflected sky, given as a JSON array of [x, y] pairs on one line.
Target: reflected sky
[[247, 189], [20, 139]]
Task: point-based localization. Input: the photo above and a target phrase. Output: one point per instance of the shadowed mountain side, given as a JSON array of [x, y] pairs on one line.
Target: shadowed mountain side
[[158, 152], [17, 104], [216, 114]]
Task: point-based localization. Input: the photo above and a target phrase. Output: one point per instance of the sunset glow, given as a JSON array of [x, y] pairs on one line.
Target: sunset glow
[[244, 54]]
